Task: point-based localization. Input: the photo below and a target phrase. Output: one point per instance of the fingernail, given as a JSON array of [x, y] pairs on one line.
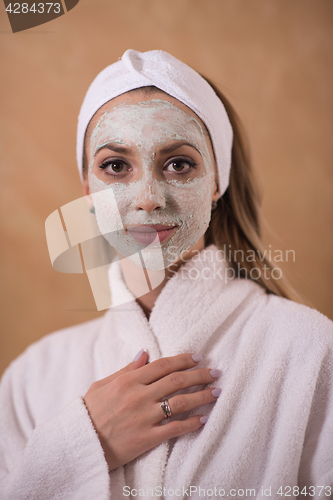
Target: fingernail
[[137, 356], [216, 392], [215, 373], [197, 357], [203, 419]]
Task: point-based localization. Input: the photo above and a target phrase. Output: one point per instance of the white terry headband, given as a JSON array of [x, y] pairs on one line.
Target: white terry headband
[[156, 67]]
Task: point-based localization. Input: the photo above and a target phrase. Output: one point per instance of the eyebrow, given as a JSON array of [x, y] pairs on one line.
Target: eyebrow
[[176, 145], [127, 150], [113, 147]]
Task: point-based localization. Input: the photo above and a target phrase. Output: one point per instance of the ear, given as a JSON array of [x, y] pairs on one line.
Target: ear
[[216, 193], [86, 192], [86, 189]]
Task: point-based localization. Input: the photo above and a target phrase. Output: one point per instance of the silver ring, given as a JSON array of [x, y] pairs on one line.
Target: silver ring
[[166, 408]]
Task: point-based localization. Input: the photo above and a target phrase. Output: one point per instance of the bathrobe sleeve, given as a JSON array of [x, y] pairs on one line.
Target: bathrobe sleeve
[[316, 467], [60, 458]]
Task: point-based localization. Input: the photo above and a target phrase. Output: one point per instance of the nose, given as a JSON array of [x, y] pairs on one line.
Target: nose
[[150, 197]]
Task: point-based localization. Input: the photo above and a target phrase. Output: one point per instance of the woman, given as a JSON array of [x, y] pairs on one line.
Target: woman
[[80, 421]]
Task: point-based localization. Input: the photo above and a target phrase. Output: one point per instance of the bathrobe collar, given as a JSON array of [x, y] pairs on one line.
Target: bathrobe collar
[[192, 305]]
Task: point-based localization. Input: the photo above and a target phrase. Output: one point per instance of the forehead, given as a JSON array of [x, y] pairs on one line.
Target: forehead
[[138, 96]]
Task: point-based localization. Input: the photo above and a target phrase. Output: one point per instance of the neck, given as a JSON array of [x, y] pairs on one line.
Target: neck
[[137, 282]]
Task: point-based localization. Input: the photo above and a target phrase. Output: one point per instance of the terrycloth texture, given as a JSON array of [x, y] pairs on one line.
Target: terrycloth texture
[[156, 67], [272, 425]]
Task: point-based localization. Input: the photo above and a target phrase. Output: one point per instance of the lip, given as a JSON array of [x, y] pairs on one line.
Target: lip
[[146, 234]]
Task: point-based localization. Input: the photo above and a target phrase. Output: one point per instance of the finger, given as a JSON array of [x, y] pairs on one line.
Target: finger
[[182, 380], [163, 366], [177, 428], [134, 365], [185, 402]]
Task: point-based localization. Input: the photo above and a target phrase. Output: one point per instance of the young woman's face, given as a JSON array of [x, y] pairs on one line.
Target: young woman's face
[[151, 175]]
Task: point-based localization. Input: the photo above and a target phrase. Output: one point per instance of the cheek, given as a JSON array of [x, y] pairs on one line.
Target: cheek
[[109, 199], [194, 197], [96, 184]]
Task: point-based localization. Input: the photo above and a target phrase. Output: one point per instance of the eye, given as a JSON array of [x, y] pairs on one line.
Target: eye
[[114, 167], [180, 165]]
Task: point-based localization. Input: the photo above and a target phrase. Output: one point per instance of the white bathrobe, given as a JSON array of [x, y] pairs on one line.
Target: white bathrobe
[[271, 428]]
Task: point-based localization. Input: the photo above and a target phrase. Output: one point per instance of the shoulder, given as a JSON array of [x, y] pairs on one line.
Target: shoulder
[[68, 339], [291, 322], [62, 350], [294, 314]]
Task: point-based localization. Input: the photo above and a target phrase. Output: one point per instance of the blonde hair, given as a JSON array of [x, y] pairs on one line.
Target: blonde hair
[[236, 223]]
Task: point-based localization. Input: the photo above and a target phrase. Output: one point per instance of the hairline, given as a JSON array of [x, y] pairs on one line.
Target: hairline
[[147, 90]]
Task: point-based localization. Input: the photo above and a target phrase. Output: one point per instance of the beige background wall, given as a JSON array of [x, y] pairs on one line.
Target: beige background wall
[[272, 58]]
